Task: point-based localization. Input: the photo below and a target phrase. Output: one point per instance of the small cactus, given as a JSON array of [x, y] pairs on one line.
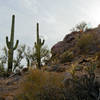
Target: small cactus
[[10, 45], [38, 46]]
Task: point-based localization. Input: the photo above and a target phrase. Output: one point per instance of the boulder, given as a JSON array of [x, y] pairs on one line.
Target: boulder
[[58, 48]]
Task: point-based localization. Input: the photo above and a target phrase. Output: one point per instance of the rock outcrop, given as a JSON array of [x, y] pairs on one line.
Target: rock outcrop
[[9, 86], [70, 40], [67, 43]]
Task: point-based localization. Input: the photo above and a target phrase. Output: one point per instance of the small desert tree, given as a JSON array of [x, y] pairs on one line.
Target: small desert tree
[[3, 57], [19, 57], [45, 54], [3, 62], [80, 27], [30, 56]]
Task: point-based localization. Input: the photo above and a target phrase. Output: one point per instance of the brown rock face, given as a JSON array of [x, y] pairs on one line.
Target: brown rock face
[[58, 48], [69, 40], [67, 43], [9, 86]]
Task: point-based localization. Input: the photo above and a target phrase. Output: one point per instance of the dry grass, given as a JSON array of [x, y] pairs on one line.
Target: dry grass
[[39, 84], [87, 42]]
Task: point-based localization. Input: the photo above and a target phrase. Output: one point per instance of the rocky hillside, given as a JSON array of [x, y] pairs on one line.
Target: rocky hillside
[[70, 40], [10, 85], [79, 48], [76, 58]]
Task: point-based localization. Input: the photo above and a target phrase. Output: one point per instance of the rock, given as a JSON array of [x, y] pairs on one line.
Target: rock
[[67, 43], [1, 98], [68, 83], [70, 40], [9, 86], [16, 79], [61, 69], [82, 61], [25, 70], [9, 98], [52, 68], [79, 68], [58, 48], [70, 37]]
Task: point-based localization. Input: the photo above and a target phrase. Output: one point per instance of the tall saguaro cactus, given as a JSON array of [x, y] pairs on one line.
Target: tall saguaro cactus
[[38, 46], [10, 45]]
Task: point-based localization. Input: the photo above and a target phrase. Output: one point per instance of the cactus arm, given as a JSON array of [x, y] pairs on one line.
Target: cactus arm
[[35, 45], [37, 32], [16, 44], [12, 28], [7, 43], [43, 42]]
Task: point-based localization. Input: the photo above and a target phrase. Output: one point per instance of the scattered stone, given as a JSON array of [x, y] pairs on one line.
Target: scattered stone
[[25, 70], [83, 60], [9, 98], [1, 98], [53, 68], [61, 69]]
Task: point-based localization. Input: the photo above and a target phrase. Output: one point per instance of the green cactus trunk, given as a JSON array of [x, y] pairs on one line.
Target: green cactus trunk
[[38, 46], [10, 45]]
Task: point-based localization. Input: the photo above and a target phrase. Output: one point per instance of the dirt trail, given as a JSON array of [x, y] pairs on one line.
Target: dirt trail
[[9, 86]]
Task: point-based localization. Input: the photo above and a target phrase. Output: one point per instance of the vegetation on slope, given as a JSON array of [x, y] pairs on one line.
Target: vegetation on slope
[[77, 57]]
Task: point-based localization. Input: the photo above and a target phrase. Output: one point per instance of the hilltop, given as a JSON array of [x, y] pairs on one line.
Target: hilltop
[[78, 47], [75, 64]]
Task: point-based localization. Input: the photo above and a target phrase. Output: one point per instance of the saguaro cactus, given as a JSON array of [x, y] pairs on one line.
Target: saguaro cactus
[[38, 46], [10, 45]]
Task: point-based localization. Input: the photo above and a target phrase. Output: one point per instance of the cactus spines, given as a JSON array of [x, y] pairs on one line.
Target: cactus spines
[[38, 46], [10, 45]]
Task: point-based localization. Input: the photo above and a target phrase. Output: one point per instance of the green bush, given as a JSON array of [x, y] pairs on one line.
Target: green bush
[[84, 88], [97, 59], [87, 42], [67, 56], [3, 72]]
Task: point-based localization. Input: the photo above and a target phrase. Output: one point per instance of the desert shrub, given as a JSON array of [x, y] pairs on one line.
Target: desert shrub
[[97, 58], [91, 69], [3, 61], [87, 43], [82, 27], [2, 71], [19, 57], [41, 85], [83, 87], [73, 71], [67, 56], [54, 59]]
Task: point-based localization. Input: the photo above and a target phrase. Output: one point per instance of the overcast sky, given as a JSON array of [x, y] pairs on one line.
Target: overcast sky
[[56, 18]]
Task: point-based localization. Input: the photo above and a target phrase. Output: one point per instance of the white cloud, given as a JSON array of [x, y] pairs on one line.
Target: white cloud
[[56, 18]]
